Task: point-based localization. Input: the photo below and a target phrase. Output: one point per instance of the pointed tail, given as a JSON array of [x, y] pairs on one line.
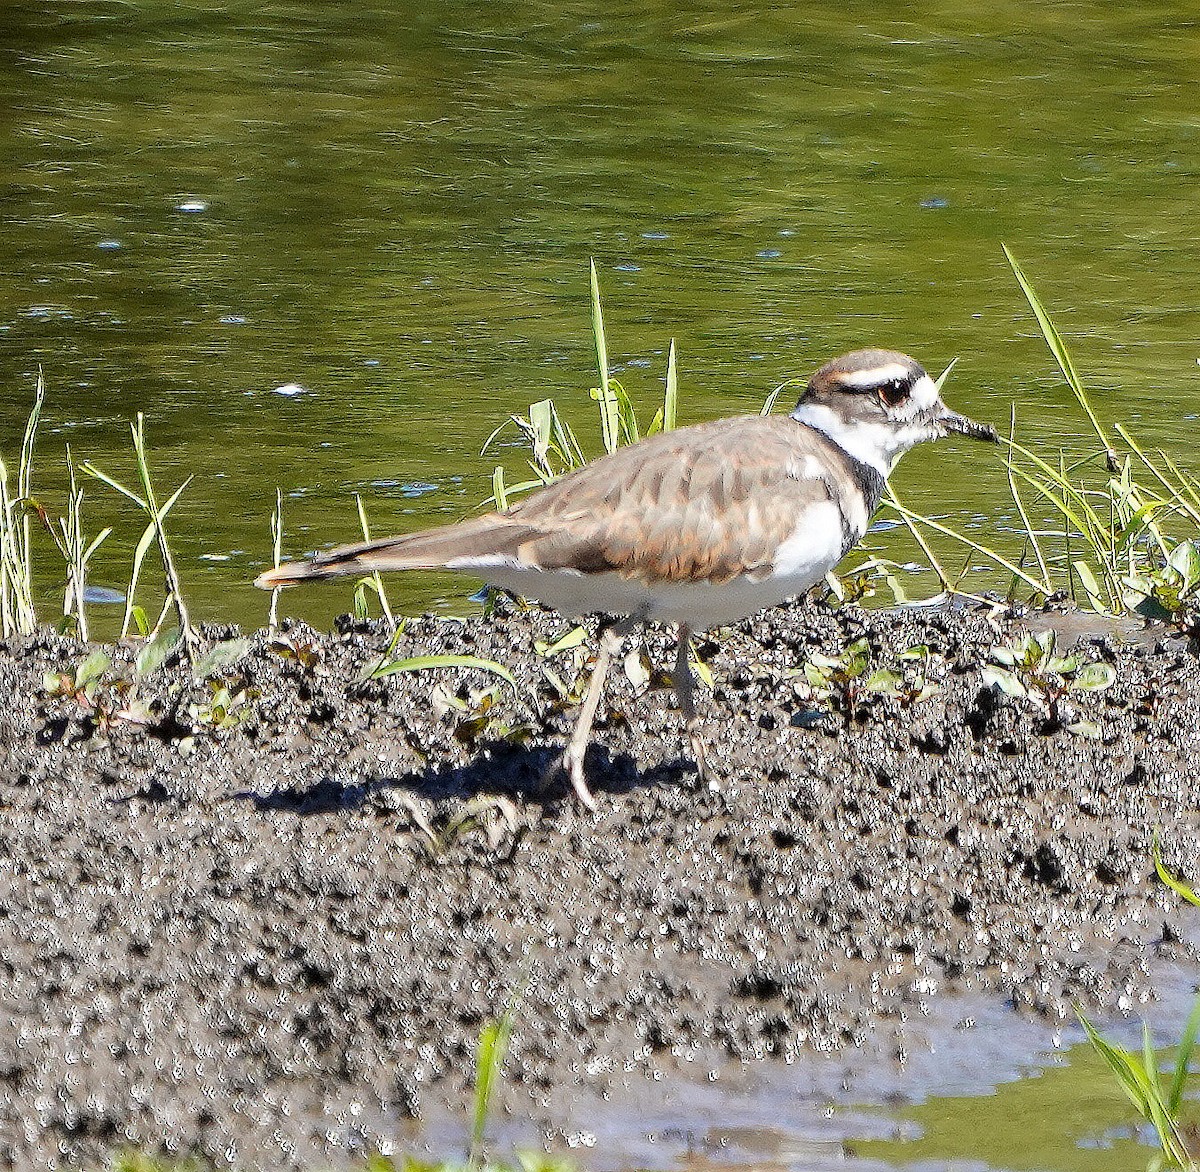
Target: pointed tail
[[491, 537]]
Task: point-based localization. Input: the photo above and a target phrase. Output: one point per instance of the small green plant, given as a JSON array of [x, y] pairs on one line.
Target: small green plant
[[494, 1040], [1031, 669], [372, 582], [228, 704], [846, 681], [82, 684], [1107, 541], [277, 552], [76, 551], [554, 448], [148, 503], [916, 680], [1171, 592], [1155, 1099], [18, 615]]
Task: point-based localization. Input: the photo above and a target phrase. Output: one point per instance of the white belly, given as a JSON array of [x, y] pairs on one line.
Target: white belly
[[813, 548], [698, 604]]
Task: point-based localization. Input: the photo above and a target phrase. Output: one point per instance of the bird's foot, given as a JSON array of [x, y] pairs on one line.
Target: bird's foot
[[700, 756], [570, 764]]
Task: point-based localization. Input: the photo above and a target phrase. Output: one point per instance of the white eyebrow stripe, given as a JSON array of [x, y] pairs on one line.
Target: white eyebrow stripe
[[894, 372]]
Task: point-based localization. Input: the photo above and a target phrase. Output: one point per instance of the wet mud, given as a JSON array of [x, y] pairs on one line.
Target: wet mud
[[262, 917]]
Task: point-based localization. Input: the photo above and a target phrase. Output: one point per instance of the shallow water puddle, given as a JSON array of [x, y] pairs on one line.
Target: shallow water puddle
[[979, 1088]]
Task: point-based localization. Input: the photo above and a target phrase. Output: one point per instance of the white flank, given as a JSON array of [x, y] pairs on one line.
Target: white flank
[[814, 547]]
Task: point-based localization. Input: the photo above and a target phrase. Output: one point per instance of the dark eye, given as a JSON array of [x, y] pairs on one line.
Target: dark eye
[[893, 393]]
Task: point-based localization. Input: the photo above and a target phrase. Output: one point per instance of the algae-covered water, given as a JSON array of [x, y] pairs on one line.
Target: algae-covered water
[[329, 247]]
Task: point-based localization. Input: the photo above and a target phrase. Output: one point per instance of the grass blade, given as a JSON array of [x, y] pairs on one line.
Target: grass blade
[[1175, 884], [428, 662], [609, 412], [376, 580], [671, 394], [494, 1041], [1059, 350], [1183, 1058]]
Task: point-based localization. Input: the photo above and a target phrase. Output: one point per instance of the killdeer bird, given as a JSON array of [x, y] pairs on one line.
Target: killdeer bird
[[699, 527]]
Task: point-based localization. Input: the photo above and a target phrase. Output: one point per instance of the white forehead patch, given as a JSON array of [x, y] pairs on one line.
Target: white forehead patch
[[876, 376]]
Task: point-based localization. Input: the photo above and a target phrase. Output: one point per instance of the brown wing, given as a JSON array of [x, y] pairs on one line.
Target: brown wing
[[711, 501], [706, 502]]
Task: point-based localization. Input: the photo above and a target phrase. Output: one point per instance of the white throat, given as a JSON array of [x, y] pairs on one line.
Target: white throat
[[876, 443]]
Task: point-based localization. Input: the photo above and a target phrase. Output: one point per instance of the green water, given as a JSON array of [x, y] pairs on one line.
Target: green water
[[1067, 1117], [393, 206]]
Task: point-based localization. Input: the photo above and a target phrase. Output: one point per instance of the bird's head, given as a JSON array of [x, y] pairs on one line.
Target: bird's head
[[877, 404]]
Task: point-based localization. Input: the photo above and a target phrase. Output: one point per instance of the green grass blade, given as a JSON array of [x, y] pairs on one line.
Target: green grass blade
[[1175, 884], [909, 521], [671, 394], [598, 327], [91, 469], [376, 580], [1012, 488], [1057, 346], [978, 547], [1175, 493], [428, 662], [494, 1041], [626, 416], [1183, 1058], [139, 556], [941, 378], [608, 406], [1125, 1067]]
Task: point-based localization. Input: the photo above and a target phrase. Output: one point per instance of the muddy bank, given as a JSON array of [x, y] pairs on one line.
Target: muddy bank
[[267, 925]]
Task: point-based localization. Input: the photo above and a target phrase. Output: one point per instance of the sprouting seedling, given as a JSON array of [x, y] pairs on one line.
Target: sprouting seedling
[[841, 680], [372, 581], [914, 683], [277, 554], [1031, 669], [1171, 592], [81, 685], [148, 503], [75, 549], [17, 612], [1137, 1074], [494, 1041]]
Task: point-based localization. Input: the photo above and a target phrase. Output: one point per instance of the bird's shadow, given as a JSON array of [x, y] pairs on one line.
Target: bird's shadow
[[499, 769]]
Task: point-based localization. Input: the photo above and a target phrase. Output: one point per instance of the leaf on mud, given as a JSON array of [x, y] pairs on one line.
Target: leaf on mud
[[428, 662], [1005, 680], [1085, 728], [220, 656], [154, 654], [703, 671], [1173, 882], [637, 670], [884, 680], [91, 669], [1094, 677], [572, 638]]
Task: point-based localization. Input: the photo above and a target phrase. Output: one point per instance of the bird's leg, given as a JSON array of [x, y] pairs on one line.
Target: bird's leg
[[682, 679], [572, 758]]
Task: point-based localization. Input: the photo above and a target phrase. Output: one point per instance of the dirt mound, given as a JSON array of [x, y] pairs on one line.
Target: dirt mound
[[258, 917]]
